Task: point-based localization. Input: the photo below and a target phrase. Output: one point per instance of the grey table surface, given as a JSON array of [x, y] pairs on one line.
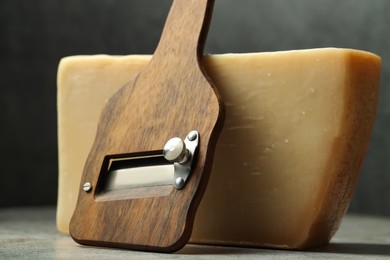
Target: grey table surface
[[30, 233]]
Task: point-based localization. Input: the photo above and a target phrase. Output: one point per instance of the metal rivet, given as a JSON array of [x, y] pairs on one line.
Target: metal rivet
[[87, 186], [179, 183], [192, 135]]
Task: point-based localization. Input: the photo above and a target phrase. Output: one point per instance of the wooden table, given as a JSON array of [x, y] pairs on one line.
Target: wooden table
[[30, 233]]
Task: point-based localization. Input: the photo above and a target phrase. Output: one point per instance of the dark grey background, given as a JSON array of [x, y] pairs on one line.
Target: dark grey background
[[34, 35]]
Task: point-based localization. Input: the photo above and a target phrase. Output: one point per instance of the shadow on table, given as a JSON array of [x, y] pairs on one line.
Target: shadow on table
[[334, 248], [192, 249], [355, 248]]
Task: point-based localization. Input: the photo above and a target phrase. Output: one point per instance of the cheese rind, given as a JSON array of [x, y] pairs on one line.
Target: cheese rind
[[296, 131]]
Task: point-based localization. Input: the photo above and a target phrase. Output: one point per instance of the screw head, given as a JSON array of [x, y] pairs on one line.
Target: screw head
[[87, 187], [175, 150], [192, 135], [179, 183]]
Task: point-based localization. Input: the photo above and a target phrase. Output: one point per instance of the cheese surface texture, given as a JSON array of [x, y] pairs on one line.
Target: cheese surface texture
[[296, 131]]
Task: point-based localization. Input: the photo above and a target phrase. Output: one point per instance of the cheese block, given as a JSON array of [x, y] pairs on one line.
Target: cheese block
[[296, 132]]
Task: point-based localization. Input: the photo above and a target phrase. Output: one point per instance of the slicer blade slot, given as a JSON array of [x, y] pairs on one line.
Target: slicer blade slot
[[137, 172]]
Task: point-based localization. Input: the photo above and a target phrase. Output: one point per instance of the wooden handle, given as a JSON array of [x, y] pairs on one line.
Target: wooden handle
[[188, 22], [169, 98]]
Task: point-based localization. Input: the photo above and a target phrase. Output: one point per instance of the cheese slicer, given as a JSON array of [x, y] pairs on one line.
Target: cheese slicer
[[149, 165]]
